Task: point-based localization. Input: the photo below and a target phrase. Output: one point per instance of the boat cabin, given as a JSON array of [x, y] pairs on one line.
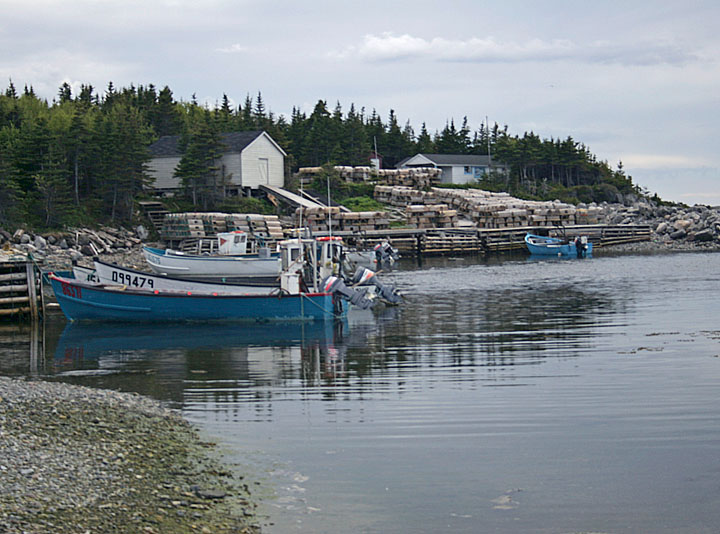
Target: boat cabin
[[232, 243], [316, 259]]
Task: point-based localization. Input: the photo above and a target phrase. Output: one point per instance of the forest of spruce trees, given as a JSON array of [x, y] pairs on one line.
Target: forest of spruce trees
[[81, 158]]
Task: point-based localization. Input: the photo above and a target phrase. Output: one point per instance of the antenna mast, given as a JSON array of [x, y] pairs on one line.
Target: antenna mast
[[329, 207], [487, 124]]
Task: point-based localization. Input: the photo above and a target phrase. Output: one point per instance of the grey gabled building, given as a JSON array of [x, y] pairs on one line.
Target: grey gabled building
[[456, 168], [250, 159]]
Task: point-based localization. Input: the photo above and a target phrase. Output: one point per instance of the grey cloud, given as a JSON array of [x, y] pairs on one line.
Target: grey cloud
[[391, 47]]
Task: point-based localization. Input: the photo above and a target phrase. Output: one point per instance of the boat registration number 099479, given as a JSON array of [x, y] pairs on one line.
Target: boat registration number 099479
[[132, 280]]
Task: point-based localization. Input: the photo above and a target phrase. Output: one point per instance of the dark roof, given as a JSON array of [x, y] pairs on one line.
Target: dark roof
[[235, 142], [457, 159], [400, 163]]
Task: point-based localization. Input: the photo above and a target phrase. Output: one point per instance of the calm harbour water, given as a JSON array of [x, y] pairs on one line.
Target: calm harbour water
[[504, 396]]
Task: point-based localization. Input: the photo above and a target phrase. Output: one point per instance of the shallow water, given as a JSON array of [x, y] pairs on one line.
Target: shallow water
[[503, 396]]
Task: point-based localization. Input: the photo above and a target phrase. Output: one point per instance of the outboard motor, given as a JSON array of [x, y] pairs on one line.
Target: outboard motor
[[388, 293], [358, 297], [384, 252]]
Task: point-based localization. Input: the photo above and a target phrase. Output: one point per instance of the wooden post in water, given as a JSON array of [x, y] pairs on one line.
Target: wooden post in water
[[19, 285], [32, 293]]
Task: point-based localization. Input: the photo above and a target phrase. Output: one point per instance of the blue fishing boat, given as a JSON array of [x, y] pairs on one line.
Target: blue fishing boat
[[305, 293], [85, 301], [552, 246]]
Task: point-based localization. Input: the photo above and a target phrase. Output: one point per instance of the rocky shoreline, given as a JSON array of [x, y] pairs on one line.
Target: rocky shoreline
[[81, 460], [674, 228]]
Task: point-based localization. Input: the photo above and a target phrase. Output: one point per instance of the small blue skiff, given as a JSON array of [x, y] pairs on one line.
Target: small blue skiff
[[552, 246], [84, 301]]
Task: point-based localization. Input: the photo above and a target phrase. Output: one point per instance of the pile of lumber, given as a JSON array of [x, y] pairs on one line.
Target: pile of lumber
[[500, 210], [332, 219], [346, 172], [180, 226], [430, 216], [490, 210], [265, 226], [418, 177], [104, 240], [401, 195]]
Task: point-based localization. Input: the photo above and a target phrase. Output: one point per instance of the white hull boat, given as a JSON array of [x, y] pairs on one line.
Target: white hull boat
[[112, 274], [220, 267]]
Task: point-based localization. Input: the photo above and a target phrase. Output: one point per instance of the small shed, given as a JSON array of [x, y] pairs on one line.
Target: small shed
[[456, 168], [250, 159]]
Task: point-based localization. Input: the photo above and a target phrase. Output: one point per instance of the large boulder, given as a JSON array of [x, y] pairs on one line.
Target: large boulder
[[678, 234], [87, 250], [705, 235]]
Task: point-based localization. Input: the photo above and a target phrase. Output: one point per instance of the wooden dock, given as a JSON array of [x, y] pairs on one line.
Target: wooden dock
[[21, 295], [457, 241]]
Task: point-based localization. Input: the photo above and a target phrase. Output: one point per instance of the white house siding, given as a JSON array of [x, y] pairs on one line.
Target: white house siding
[[259, 156], [457, 175], [232, 167], [162, 171]]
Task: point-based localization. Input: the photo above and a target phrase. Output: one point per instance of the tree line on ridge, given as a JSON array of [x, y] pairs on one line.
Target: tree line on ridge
[[83, 157]]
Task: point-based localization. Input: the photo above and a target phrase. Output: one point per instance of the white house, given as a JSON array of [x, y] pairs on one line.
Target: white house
[[456, 168], [250, 159]]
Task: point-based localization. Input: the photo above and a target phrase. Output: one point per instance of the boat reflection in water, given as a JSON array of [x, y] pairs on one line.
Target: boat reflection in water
[[163, 360]]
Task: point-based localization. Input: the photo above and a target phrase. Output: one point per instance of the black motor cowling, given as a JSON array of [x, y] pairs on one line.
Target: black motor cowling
[[366, 277], [385, 253], [336, 286]]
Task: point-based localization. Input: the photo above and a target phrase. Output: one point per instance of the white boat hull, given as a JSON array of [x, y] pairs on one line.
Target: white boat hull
[[111, 274], [211, 267]]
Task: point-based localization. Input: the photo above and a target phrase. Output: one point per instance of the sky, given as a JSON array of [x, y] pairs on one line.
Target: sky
[[636, 81]]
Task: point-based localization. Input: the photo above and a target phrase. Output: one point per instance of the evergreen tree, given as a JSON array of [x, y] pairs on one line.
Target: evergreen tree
[[198, 167], [395, 145], [357, 143], [318, 147], [85, 98], [53, 190], [65, 93], [165, 116], [10, 92], [376, 133], [110, 96], [424, 144], [259, 113], [79, 149], [247, 120], [10, 193], [126, 137]]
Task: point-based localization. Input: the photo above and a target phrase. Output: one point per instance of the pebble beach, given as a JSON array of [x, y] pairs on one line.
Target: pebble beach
[[81, 460]]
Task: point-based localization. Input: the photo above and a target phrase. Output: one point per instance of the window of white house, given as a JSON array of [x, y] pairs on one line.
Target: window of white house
[[468, 169]]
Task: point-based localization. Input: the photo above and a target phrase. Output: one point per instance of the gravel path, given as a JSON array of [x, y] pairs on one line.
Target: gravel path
[[81, 460]]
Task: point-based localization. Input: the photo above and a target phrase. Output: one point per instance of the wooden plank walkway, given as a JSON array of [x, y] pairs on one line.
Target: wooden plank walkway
[[455, 241], [291, 198]]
